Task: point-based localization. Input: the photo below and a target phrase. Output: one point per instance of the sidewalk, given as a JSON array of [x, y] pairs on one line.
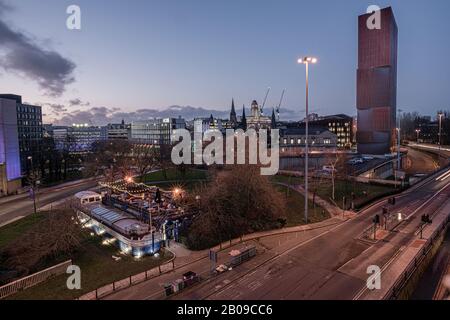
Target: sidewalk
[[399, 266]]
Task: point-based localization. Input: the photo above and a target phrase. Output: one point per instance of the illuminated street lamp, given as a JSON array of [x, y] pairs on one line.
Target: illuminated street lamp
[[417, 132], [129, 179], [306, 61]]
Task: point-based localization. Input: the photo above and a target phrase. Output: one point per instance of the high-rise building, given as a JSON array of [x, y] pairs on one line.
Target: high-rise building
[[377, 83], [10, 173], [29, 130]]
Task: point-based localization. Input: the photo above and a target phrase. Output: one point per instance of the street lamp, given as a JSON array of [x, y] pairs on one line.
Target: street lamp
[[399, 140], [417, 132], [306, 61], [440, 115]]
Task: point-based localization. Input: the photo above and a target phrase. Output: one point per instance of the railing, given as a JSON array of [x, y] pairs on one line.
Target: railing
[[129, 281], [412, 267], [34, 279]]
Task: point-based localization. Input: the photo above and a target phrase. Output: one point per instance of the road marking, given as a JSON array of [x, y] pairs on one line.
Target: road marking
[[428, 201], [385, 266], [11, 221], [442, 175]]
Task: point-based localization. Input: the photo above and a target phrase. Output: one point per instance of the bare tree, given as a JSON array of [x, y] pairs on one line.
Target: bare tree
[[56, 235], [239, 200]]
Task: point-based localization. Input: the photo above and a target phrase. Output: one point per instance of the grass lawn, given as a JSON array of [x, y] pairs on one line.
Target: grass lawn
[[295, 203], [11, 231], [95, 260], [364, 193]]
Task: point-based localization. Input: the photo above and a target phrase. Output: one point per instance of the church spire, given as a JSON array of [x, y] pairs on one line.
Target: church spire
[[233, 117], [274, 120], [244, 119]]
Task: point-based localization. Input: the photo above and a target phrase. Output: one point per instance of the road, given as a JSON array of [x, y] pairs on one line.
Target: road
[[16, 207], [331, 265], [420, 162]]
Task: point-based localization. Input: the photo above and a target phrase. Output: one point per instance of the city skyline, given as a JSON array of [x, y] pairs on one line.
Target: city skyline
[[238, 56]]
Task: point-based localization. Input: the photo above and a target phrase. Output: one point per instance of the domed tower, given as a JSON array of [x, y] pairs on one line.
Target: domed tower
[[255, 111]]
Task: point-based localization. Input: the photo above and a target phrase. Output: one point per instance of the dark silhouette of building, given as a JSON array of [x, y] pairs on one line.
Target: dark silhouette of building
[[273, 120], [244, 119], [377, 84]]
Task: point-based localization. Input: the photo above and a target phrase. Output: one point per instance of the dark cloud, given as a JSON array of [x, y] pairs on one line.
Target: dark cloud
[[20, 54], [103, 115], [78, 102], [57, 108]]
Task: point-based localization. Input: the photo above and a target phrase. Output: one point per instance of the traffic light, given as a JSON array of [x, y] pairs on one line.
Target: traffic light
[[426, 219], [376, 219]]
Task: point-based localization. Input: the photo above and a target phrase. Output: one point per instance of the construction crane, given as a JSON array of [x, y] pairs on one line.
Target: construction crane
[[277, 110], [265, 99]]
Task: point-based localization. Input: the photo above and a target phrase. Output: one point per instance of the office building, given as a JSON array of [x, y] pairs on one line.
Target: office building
[[156, 131], [377, 84], [10, 170], [341, 125], [29, 130]]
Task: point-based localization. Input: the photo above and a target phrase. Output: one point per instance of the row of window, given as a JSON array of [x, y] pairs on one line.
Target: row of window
[[30, 109]]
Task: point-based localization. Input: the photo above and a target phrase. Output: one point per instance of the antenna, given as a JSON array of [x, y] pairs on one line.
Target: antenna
[[279, 105], [265, 99]]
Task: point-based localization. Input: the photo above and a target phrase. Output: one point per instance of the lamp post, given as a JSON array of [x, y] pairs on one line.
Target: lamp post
[[440, 114], [417, 132], [306, 61], [399, 140]]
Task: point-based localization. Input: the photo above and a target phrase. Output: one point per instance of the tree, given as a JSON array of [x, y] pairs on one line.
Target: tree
[[238, 201], [145, 158], [110, 158], [339, 169], [56, 235]]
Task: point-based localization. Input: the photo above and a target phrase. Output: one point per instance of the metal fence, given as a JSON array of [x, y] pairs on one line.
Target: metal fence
[[34, 279], [128, 282], [413, 266]]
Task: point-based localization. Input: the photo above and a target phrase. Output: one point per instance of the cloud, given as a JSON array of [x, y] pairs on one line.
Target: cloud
[[104, 115], [22, 55], [78, 102]]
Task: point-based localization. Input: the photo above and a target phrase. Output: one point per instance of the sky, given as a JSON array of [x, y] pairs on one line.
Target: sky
[[141, 58]]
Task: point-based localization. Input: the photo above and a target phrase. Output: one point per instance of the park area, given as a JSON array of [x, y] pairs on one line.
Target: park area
[[95, 259], [364, 193], [187, 179]]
